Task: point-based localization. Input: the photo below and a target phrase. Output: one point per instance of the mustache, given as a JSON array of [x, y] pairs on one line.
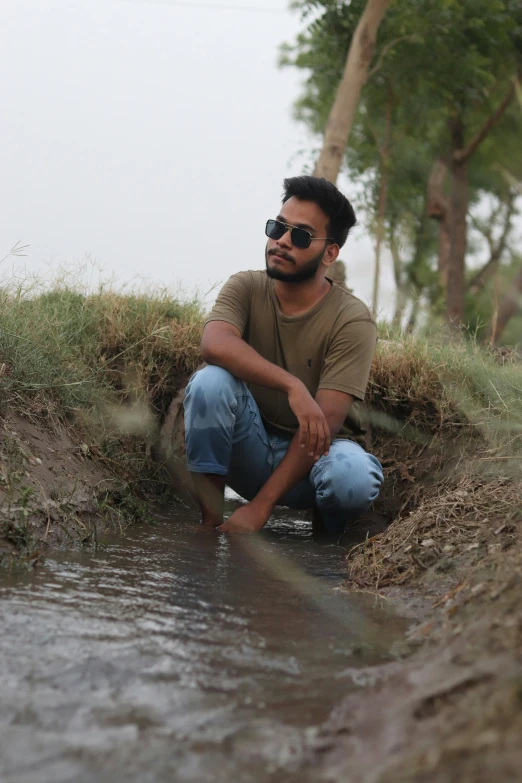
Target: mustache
[[281, 254]]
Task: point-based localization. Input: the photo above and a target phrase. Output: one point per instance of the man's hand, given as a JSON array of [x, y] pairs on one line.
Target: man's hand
[[247, 519], [314, 432]]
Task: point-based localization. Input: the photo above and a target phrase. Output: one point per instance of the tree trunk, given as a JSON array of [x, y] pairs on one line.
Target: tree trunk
[[412, 320], [459, 203], [401, 300], [401, 291], [438, 208], [381, 208], [510, 304], [444, 248], [384, 151], [354, 77], [458, 229]]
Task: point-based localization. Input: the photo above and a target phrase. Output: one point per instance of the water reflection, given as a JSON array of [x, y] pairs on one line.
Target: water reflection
[[178, 654]]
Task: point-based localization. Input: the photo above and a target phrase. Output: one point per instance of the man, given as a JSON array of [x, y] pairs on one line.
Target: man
[[288, 351]]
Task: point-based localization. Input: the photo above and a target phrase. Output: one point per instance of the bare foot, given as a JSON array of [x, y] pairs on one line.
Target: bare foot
[[208, 521], [210, 490]]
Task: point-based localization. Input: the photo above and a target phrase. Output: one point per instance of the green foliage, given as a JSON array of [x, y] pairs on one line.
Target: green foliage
[[480, 308], [107, 363], [435, 61], [84, 349], [438, 385]]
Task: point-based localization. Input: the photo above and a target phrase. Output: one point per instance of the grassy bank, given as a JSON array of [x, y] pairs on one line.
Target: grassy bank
[[100, 370], [104, 366], [447, 426], [82, 350]]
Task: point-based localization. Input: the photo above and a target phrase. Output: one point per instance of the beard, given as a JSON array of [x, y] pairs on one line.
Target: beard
[[306, 272]]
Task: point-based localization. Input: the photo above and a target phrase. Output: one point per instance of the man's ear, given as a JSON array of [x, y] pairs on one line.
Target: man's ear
[[331, 255]]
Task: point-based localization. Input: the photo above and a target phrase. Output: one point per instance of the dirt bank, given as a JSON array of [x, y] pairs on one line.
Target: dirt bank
[[54, 492], [85, 379], [452, 711]]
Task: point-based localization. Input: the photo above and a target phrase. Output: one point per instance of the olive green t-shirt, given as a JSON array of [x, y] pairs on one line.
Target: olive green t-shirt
[[331, 346]]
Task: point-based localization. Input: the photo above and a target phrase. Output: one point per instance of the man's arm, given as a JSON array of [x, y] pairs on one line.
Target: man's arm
[[223, 345], [294, 467]]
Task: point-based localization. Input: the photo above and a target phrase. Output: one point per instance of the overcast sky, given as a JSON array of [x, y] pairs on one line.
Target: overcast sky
[[152, 136]]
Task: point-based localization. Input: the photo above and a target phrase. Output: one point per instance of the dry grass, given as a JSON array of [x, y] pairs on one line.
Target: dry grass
[[110, 362], [147, 344], [447, 425], [432, 383], [95, 360], [453, 518]]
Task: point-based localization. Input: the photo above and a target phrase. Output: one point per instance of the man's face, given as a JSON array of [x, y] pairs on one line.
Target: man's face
[[290, 264]]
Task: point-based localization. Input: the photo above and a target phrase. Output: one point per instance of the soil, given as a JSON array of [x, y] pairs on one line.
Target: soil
[[452, 711], [52, 492]]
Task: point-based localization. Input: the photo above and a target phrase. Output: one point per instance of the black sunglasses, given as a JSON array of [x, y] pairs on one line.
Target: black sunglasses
[[301, 238]]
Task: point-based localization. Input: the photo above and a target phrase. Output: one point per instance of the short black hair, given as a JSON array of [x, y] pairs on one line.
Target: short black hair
[[340, 213]]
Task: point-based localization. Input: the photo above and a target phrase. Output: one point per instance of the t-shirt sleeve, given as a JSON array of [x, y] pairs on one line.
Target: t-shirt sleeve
[[349, 359], [233, 302]]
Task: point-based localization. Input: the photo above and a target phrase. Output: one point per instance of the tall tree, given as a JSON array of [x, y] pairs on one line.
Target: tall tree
[[454, 76], [383, 148], [461, 153], [339, 124]]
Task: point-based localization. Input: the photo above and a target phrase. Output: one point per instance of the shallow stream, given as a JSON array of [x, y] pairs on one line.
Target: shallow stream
[[179, 654]]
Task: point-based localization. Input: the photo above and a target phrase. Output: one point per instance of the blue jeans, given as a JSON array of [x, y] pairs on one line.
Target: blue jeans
[[225, 435]]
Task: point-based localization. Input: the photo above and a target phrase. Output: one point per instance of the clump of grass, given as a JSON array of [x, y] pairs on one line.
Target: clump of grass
[[80, 347], [147, 342], [447, 425], [77, 355], [439, 383]]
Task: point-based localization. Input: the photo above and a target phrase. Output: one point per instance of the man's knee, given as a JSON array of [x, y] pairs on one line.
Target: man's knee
[[211, 379], [357, 481], [350, 480], [208, 392]]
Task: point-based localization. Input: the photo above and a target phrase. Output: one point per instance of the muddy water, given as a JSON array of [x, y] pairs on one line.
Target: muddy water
[[176, 654]]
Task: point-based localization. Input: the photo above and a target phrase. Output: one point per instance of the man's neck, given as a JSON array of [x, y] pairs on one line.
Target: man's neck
[[298, 298]]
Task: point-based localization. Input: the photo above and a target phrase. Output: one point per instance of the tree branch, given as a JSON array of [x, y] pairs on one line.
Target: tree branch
[[375, 137], [384, 52], [486, 272], [383, 149], [437, 203], [462, 154], [510, 304]]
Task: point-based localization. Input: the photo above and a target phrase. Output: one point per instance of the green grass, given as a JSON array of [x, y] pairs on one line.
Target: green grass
[[447, 418], [438, 384], [82, 349], [111, 361], [107, 363]]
